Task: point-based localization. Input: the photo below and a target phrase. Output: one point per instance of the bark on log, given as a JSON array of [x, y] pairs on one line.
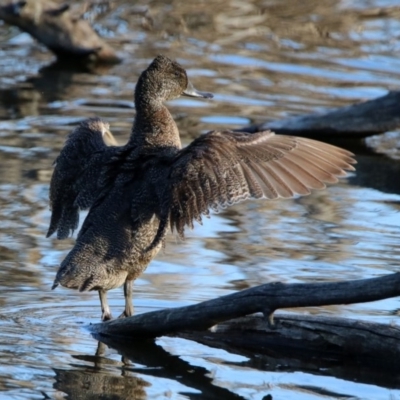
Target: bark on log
[[357, 121], [266, 299]]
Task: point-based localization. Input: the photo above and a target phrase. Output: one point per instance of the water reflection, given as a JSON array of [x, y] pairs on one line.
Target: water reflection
[[264, 60], [149, 358], [50, 87], [96, 382]]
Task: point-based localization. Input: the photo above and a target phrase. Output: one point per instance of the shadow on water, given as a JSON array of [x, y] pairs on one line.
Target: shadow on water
[[375, 171]]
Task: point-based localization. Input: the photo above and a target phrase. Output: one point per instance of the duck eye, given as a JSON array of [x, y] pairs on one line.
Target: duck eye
[[177, 74]]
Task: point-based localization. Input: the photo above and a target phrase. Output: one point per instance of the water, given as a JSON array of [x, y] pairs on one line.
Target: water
[[264, 60]]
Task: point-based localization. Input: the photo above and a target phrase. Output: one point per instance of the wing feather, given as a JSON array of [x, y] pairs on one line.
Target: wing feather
[[222, 168], [75, 181]]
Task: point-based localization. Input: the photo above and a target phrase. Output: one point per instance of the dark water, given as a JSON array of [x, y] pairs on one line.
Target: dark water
[[264, 60]]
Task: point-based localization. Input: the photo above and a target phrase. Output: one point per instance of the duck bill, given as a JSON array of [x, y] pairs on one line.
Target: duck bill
[[192, 92]]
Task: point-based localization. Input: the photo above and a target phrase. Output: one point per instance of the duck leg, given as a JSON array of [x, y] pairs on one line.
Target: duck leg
[[105, 308], [128, 292]]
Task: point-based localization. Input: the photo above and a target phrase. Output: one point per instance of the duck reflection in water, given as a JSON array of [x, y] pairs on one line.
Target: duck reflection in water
[[135, 192]]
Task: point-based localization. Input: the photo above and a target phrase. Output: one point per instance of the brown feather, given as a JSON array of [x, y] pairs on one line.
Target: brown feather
[[222, 168]]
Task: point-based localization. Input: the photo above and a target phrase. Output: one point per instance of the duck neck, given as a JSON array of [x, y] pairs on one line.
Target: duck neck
[[154, 125]]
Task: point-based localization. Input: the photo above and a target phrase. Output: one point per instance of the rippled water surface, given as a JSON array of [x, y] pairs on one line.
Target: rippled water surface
[[264, 60]]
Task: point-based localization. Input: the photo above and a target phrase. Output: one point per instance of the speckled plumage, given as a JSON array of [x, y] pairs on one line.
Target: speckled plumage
[[135, 192]]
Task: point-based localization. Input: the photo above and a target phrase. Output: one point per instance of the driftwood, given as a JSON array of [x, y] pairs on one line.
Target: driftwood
[[68, 36], [330, 336], [356, 121]]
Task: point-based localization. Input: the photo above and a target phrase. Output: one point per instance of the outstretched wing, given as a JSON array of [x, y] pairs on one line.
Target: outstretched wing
[[77, 172], [222, 168]]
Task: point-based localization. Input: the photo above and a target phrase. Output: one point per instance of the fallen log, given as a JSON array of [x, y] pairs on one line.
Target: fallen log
[[342, 337], [68, 36], [356, 121]]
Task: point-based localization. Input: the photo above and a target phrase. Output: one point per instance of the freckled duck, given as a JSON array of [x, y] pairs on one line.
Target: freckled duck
[[137, 191]]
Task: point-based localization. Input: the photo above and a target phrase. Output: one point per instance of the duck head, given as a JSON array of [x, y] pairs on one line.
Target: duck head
[[164, 80]]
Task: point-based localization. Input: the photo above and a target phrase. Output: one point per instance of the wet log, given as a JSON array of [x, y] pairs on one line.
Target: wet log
[[356, 121], [220, 321], [66, 34]]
